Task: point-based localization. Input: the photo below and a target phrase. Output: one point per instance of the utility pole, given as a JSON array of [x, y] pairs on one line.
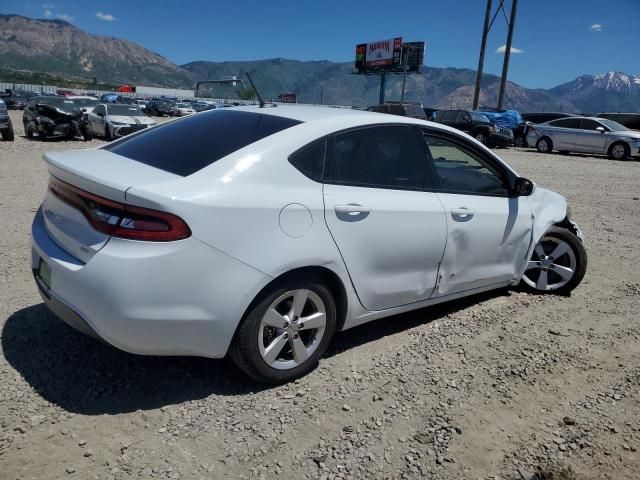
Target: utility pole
[[483, 45], [507, 53], [382, 82]]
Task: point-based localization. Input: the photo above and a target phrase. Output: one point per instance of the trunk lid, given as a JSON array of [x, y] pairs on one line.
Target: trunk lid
[[100, 173]]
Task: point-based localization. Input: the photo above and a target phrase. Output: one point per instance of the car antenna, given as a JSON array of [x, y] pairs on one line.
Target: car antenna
[[263, 104]]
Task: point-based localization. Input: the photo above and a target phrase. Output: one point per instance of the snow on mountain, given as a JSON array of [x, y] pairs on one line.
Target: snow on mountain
[[617, 81]]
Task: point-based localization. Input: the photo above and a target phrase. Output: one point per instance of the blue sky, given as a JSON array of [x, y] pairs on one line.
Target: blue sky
[[558, 39]]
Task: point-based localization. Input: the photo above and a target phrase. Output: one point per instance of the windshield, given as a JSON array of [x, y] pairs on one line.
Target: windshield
[[613, 126], [86, 102], [127, 110], [478, 117], [60, 102]]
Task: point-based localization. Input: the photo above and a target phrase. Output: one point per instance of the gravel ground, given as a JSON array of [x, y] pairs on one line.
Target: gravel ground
[[503, 385]]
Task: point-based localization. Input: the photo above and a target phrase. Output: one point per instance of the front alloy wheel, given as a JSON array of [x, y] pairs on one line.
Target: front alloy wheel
[[558, 263], [285, 333]]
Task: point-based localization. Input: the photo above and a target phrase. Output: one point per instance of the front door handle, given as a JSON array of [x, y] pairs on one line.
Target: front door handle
[[352, 209], [461, 213]]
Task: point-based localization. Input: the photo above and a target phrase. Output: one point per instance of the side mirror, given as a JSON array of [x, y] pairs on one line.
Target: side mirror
[[523, 187], [600, 129]]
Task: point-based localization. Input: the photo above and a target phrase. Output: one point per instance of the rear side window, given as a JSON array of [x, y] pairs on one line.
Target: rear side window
[[414, 111], [566, 123], [377, 157], [310, 159], [185, 146]]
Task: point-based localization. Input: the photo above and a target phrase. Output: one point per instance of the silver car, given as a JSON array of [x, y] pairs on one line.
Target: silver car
[[585, 135]]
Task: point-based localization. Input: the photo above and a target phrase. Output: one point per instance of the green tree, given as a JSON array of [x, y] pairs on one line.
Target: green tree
[[247, 94]]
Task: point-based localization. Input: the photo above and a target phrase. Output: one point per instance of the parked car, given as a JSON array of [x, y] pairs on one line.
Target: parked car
[[430, 112], [112, 120], [406, 109], [64, 92], [182, 109], [629, 120], [476, 125], [6, 127], [521, 131], [160, 108], [357, 217], [108, 98], [585, 135], [15, 101], [50, 116], [85, 102]]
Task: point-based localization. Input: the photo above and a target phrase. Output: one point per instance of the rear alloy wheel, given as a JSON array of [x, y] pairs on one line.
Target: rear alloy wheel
[[558, 263], [619, 151], [27, 130], [283, 336], [481, 137], [520, 141], [544, 145]]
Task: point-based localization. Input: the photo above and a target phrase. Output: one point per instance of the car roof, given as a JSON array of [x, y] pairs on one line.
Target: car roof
[[82, 97]]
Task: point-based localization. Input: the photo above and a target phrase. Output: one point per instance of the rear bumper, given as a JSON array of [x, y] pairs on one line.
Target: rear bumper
[[173, 298], [501, 141]]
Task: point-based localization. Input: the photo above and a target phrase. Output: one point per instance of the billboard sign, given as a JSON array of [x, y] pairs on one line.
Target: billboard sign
[[379, 55]]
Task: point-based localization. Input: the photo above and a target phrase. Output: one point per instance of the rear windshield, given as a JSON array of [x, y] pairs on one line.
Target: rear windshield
[[185, 146]]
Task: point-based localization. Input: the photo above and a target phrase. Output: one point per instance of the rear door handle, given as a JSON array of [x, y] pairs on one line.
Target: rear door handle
[[352, 209], [462, 213]]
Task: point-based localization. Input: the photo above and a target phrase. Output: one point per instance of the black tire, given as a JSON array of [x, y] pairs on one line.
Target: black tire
[[544, 145], [614, 149], [87, 135], [520, 141], [244, 350], [27, 131], [7, 135], [580, 254], [107, 133], [481, 137]]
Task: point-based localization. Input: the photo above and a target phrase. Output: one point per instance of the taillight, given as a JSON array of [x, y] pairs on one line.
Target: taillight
[[119, 219]]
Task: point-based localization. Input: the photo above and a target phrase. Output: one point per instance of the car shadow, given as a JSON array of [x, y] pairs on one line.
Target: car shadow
[[86, 376]]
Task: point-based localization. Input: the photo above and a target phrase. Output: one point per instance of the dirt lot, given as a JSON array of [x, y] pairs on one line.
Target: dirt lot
[[505, 385]]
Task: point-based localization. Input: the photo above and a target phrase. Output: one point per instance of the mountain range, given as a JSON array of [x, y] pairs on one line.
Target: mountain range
[[33, 48]]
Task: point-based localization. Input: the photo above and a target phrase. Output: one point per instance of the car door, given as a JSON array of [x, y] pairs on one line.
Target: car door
[[564, 133], [449, 118], [488, 231], [97, 120], [390, 230], [463, 122], [589, 139]]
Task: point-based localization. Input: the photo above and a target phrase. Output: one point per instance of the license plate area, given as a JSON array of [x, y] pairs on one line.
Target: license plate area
[[44, 273]]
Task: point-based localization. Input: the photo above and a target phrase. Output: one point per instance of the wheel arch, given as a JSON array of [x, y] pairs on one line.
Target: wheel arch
[[331, 279]]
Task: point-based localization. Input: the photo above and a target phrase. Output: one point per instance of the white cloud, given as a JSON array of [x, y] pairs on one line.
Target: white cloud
[[503, 48], [105, 16], [64, 16], [596, 27], [48, 13]]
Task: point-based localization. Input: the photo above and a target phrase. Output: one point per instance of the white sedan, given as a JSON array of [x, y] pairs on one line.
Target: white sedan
[[113, 120], [184, 109], [259, 232]]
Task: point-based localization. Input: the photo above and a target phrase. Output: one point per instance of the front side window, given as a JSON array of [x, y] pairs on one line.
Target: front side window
[[460, 171], [378, 157], [450, 116], [587, 124]]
